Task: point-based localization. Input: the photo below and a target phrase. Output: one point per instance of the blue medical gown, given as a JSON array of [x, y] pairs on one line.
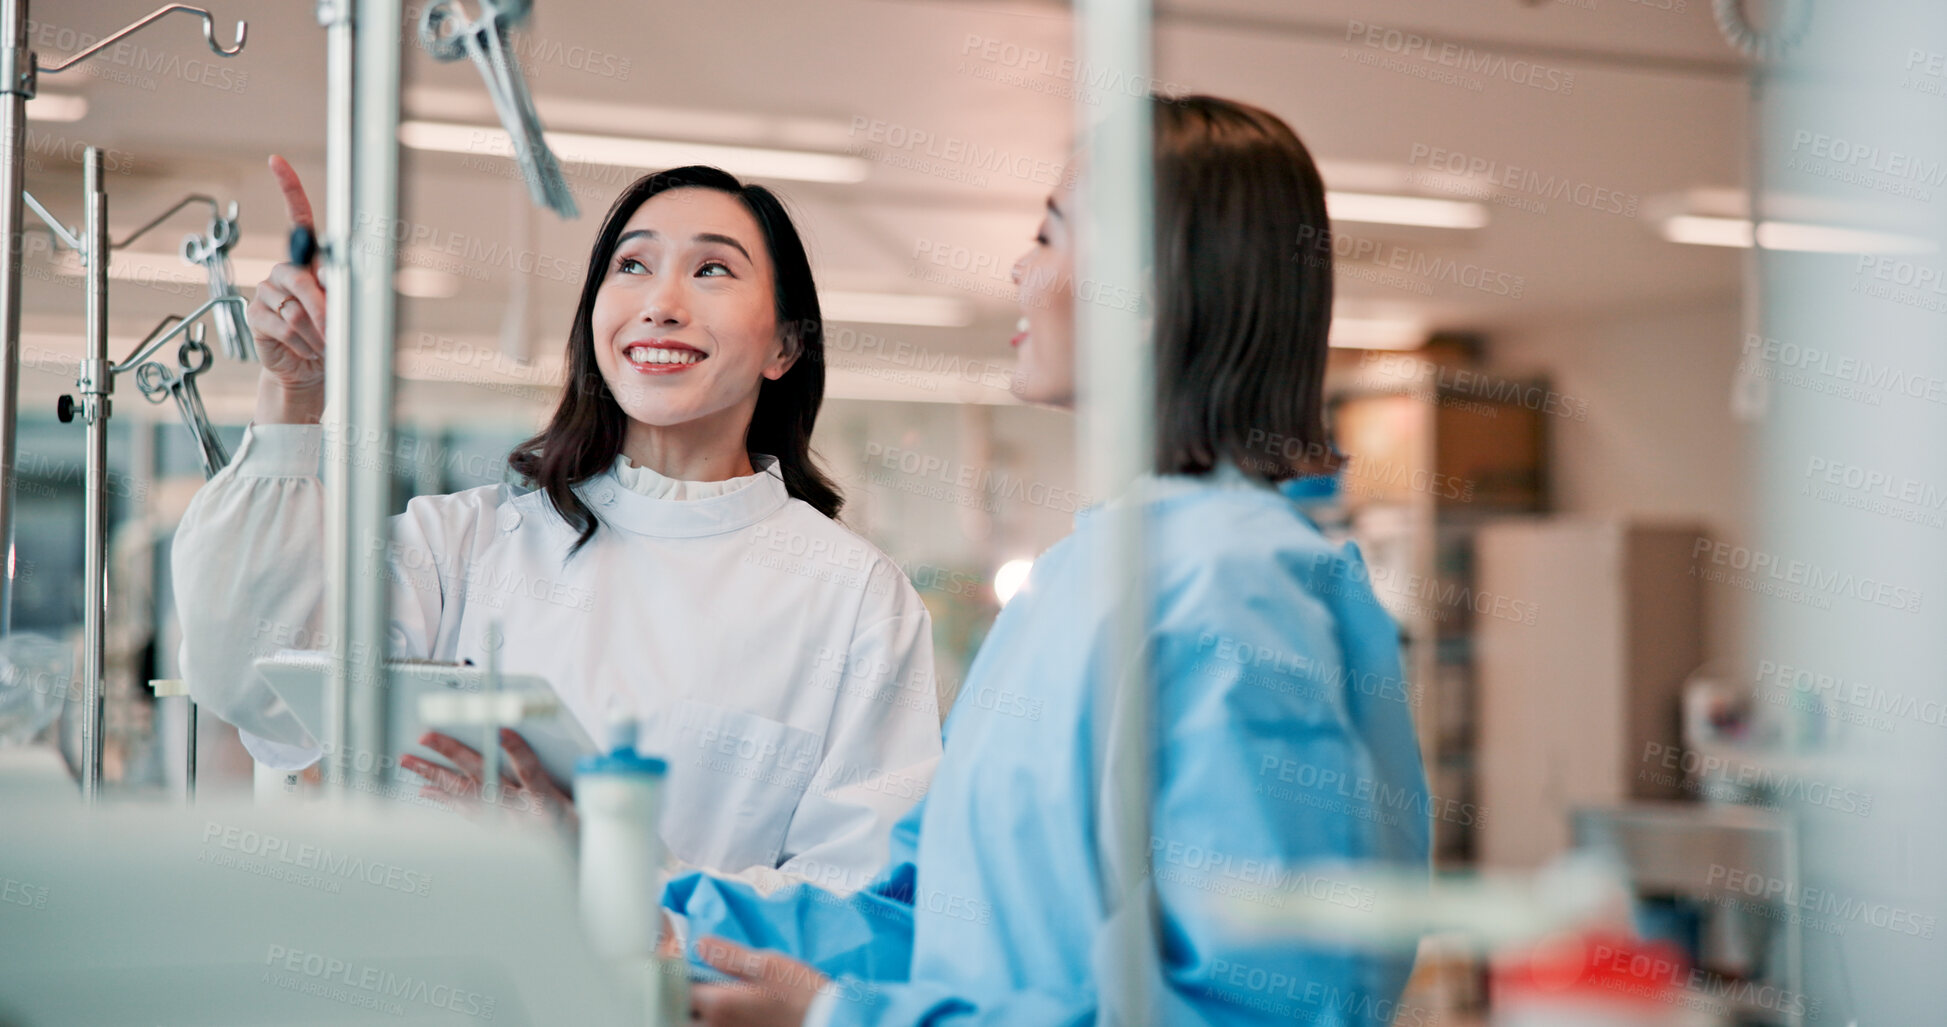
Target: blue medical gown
[[1284, 751]]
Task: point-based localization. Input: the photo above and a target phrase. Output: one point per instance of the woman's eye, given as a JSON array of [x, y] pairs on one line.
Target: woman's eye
[[630, 266], [719, 265]]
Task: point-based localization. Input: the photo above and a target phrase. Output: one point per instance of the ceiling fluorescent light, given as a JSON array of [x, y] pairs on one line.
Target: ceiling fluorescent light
[[433, 103], [1377, 333], [1383, 209], [425, 283], [1699, 230], [475, 360], [1704, 230], [890, 308], [57, 107], [618, 151], [150, 268], [1792, 235]]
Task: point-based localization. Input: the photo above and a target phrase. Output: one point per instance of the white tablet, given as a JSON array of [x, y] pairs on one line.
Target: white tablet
[[298, 678]]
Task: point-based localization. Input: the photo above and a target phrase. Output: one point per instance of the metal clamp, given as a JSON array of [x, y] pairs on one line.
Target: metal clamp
[[447, 34], [17, 72], [158, 382]]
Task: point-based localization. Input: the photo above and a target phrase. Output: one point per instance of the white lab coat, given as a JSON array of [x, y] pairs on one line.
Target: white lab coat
[[782, 664]]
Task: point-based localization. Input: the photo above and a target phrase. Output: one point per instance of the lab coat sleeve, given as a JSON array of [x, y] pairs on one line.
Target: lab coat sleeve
[[866, 934], [248, 566], [882, 747], [249, 581], [1225, 827]]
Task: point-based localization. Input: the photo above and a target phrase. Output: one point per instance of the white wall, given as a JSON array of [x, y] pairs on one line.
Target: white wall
[[1659, 441]]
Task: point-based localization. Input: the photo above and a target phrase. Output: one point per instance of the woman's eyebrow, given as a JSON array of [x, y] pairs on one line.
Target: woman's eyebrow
[[650, 233], [727, 241]]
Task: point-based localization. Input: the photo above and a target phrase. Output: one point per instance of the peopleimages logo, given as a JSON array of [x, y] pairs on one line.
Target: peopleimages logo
[[1412, 46], [306, 856], [1757, 566], [1316, 245], [956, 150], [1859, 695], [1892, 164], [471, 254], [370, 984], [1517, 179], [1843, 370], [1824, 902], [987, 482], [1088, 77]]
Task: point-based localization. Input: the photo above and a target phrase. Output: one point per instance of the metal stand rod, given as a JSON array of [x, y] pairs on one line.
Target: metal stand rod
[[1115, 394], [189, 757], [16, 87], [92, 403], [374, 328], [94, 389], [490, 732], [362, 170], [334, 275]]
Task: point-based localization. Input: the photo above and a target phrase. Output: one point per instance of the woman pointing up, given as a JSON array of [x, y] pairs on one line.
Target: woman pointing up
[[677, 556]]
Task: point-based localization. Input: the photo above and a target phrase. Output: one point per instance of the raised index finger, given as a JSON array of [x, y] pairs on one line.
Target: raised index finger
[[296, 204]]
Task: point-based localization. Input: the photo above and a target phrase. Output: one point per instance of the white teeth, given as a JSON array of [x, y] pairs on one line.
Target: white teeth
[[1022, 324], [660, 355]]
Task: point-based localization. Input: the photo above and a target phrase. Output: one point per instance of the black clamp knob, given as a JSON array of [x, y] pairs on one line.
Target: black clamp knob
[[64, 409], [304, 246]]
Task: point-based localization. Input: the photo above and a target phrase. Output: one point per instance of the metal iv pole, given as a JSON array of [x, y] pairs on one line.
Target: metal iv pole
[[19, 73], [356, 262], [1116, 375], [18, 83], [358, 257], [90, 401]]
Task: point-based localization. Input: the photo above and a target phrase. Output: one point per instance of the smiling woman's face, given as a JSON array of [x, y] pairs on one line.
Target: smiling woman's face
[[685, 320], [1044, 369]]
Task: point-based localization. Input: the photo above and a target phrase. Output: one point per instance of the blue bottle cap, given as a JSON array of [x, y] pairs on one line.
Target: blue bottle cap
[[621, 757], [621, 761]]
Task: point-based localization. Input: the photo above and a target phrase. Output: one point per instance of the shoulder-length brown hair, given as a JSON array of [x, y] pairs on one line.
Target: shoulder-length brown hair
[[1243, 305], [585, 435]]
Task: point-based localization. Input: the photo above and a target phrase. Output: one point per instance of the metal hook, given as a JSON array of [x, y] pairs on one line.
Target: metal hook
[[209, 35], [194, 356], [157, 338], [167, 214]]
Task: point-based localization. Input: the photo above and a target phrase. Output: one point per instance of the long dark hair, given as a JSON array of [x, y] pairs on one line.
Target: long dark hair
[[585, 435], [1244, 301]]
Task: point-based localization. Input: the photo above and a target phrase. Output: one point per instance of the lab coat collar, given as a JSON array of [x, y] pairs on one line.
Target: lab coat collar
[[631, 511]]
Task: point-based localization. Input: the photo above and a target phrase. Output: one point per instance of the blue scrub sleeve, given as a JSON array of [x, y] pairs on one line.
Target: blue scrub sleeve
[[1288, 757], [866, 935], [1273, 773]]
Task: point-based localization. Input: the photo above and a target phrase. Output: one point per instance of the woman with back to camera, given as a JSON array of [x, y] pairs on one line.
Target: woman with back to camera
[[678, 559], [993, 909]]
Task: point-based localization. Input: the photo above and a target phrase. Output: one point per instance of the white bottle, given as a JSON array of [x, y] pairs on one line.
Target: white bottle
[[618, 797]]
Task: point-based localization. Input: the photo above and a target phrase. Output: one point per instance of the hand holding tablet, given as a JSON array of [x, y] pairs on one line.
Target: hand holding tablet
[[554, 738]]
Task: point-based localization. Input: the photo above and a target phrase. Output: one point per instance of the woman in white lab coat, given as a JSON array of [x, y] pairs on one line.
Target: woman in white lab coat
[[677, 560]]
